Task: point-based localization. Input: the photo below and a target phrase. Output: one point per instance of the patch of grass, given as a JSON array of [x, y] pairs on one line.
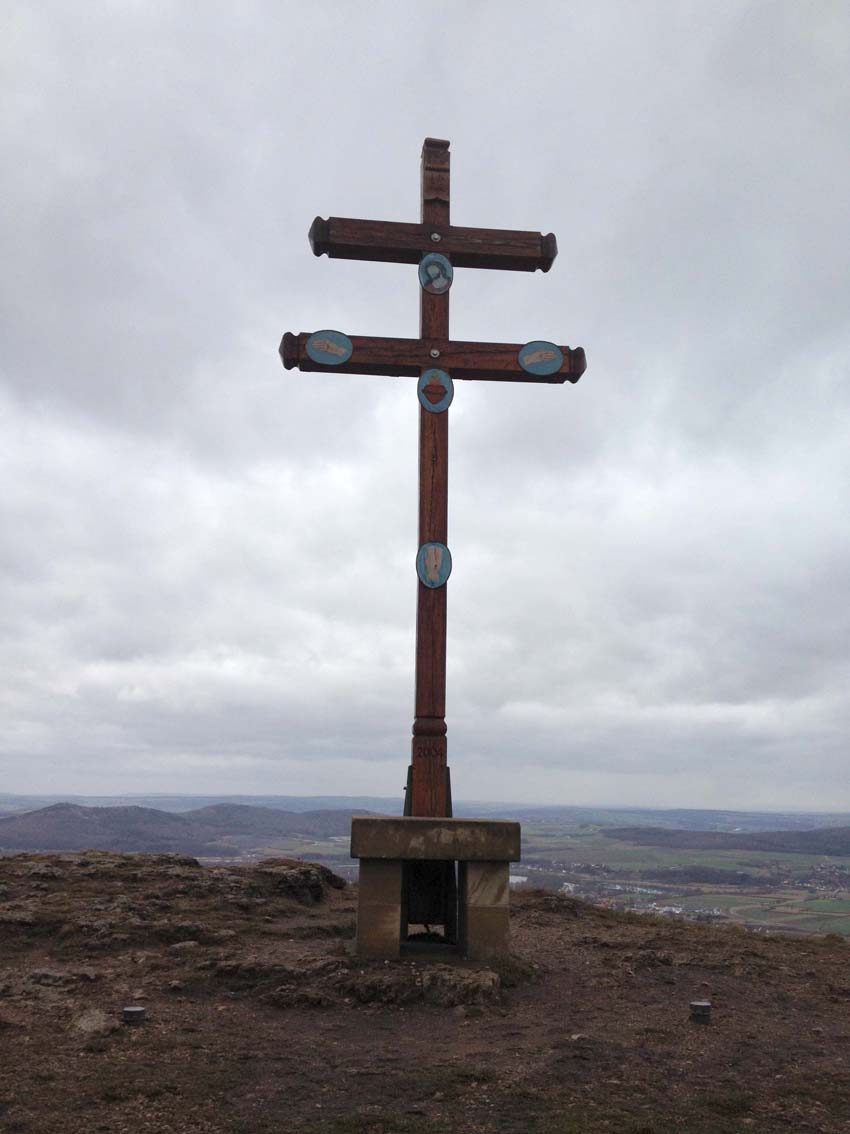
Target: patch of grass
[[377, 1124], [451, 1079], [114, 1094], [571, 1122], [823, 924], [828, 905], [834, 939], [562, 1124], [729, 1101], [514, 971], [344, 929]]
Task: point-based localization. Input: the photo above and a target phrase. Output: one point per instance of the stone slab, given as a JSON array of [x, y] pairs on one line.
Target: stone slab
[[379, 909], [487, 884], [380, 882], [378, 932], [459, 840]]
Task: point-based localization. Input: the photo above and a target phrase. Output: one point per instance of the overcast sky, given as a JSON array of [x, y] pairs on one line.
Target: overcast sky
[[207, 562]]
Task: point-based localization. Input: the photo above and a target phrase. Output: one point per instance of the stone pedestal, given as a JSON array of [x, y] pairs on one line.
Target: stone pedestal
[[482, 849]]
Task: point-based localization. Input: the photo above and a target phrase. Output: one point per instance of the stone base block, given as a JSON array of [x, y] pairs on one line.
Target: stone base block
[[484, 913], [379, 925], [487, 883], [487, 936], [482, 849]]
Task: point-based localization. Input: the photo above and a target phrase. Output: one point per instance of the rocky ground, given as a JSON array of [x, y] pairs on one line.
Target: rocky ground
[[259, 1020]]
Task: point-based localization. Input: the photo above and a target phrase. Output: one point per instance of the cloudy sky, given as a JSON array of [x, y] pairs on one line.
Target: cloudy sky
[[206, 561]]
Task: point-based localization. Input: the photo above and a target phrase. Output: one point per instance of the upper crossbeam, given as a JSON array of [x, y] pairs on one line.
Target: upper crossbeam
[[394, 242]]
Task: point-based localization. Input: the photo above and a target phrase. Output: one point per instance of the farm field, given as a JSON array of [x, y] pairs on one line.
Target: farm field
[[763, 890]]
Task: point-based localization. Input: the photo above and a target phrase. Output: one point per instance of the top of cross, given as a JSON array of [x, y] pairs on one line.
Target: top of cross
[[401, 243], [438, 247]]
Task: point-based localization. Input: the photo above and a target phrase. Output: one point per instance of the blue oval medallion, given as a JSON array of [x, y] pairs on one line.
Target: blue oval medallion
[[541, 358], [330, 348], [433, 564], [435, 273], [435, 391]]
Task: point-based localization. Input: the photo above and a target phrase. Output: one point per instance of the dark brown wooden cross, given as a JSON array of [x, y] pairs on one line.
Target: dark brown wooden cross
[[438, 247]]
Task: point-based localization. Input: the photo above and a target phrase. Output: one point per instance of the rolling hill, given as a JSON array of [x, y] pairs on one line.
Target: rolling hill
[[70, 826], [824, 840]]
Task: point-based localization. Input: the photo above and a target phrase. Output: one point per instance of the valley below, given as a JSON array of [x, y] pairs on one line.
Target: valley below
[[767, 872]]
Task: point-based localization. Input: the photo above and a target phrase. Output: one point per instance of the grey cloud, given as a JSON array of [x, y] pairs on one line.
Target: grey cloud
[[206, 561]]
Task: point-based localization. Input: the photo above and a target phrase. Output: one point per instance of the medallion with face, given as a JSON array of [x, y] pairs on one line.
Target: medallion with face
[[435, 273]]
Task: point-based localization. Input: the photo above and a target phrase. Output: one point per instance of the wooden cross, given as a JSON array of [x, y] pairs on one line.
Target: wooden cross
[[438, 247]]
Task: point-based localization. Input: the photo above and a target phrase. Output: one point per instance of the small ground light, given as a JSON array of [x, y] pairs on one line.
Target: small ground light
[[134, 1015], [701, 1011]]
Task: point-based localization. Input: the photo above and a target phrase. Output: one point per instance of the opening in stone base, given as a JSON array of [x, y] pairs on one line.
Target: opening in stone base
[[429, 908]]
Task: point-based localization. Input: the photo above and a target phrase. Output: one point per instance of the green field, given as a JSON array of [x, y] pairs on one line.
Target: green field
[[829, 905], [593, 846], [785, 891]]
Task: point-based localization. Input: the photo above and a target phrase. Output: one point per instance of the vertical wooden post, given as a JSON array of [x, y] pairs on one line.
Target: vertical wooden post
[[429, 886], [429, 779]]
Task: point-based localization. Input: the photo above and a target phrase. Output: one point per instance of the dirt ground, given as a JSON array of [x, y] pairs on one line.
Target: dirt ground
[[259, 1020]]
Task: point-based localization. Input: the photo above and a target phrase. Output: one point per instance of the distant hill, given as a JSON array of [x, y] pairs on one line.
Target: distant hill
[[241, 818], [10, 804], [69, 826], [824, 840], [690, 819]]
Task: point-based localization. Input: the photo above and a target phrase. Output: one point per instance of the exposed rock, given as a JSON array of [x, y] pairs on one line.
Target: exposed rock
[[41, 870], [253, 973], [223, 936], [324, 929], [17, 919], [437, 984], [446, 985], [561, 904], [304, 882], [49, 978], [291, 996], [95, 1022], [86, 974]]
